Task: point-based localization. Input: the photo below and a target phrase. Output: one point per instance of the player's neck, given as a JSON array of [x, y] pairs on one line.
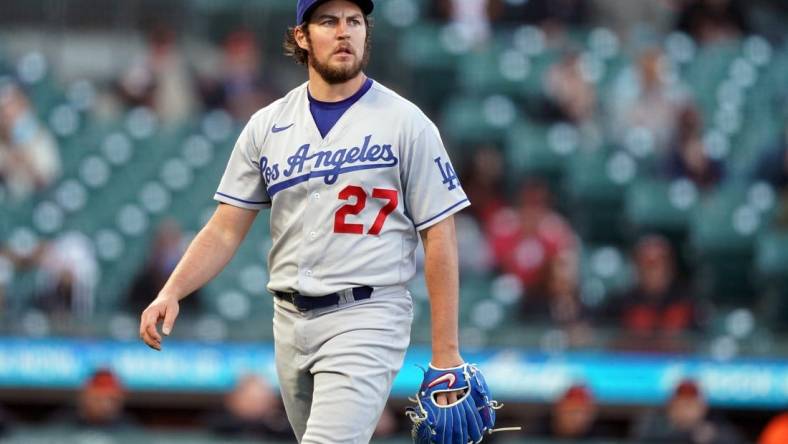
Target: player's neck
[[326, 92]]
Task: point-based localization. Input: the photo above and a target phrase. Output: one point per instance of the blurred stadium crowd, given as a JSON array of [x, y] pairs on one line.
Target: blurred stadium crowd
[[627, 162]]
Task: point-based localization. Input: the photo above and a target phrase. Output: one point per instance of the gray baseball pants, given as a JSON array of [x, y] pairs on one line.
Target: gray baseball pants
[[336, 365]]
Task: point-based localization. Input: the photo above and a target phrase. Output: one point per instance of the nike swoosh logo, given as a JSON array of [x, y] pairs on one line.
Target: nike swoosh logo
[[444, 377], [275, 129]]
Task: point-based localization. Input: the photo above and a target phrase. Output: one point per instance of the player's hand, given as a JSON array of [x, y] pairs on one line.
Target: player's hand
[[447, 360], [447, 398], [162, 308]]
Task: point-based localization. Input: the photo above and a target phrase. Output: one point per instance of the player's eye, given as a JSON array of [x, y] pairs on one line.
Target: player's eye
[[355, 21]]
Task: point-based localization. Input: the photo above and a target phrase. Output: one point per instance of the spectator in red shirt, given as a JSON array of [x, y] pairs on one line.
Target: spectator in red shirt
[[526, 239]]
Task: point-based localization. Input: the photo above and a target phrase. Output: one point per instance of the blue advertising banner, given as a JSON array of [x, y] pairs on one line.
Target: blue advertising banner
[[520, 375]]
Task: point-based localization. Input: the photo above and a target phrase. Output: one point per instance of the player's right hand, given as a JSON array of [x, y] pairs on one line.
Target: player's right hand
[[162, 308]]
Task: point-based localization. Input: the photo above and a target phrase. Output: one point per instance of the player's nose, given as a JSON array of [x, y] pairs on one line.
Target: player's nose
[[343, 30]]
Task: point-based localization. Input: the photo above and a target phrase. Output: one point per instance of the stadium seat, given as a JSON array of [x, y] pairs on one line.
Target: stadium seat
[[660, 206], [44, 95], [595, 183], [117, 276], [772, 255], [771, 265], [706, 71], [494, 72], [472, 120], [505, 67], [528, 154], [605, 270], [722, 237], [20, 292], [423, 49]]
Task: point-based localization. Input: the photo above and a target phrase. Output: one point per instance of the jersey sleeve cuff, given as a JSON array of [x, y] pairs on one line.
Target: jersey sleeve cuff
[[443, 214], [241, 203]]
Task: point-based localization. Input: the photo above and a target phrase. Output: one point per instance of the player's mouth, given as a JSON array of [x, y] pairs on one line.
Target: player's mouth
[[346, 51]]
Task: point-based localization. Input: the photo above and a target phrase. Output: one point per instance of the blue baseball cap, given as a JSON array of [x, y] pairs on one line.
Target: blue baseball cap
[[305, 7]]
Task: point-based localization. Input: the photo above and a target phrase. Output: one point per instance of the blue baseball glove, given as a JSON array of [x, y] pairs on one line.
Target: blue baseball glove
[[465, 421]]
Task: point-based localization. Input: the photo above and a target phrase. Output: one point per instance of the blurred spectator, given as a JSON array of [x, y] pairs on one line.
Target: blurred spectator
[[252, 410], [555, 17], [713, 21], [559, 299], [689, 157], [572, 417], [686, 420], [161, 80], [647, 100], [526, 239], [241, 88], [29, 157], [100, 405], [471, 18], [628, 18], [572, 97], [167, 247], [475, 255], [776, 431], [474, 252], [482, 180], [657, 308], [67, 276]]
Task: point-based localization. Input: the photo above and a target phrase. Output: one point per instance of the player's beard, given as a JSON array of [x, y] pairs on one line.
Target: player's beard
[[336, 75]]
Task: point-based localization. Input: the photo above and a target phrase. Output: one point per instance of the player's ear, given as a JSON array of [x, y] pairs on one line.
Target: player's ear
[[300, 36]]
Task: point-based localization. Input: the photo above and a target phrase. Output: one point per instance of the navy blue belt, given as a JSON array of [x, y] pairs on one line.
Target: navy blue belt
[[305, 303]]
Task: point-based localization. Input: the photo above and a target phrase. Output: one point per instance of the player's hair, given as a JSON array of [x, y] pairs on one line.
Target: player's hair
[[301, 56]]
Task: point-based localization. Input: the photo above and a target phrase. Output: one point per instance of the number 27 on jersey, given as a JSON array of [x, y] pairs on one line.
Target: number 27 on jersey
[[340, 226]]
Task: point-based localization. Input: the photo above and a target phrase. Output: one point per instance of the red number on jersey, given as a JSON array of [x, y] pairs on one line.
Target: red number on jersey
[[391, 196], [340, 226]]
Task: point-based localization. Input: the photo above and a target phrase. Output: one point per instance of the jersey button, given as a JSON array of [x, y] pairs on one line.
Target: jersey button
[[312, 235], [316, 196], [308, 272]]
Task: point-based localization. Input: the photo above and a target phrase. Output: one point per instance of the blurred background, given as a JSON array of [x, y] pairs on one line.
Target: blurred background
[[624, 266]]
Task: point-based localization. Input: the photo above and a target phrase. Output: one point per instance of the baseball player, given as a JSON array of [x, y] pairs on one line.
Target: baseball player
[[353, 174]]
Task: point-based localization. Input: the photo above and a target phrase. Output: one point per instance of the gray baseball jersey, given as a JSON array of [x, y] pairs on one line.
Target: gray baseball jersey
[[345, 209]]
